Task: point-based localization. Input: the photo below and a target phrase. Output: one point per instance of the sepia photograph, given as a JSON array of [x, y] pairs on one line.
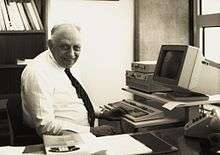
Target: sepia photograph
[[109, 77]]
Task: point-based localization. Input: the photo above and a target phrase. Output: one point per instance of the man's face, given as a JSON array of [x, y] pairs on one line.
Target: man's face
[[66, 48]]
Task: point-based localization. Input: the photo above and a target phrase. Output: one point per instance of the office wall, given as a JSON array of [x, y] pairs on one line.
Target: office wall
[[107, 32], [160, 22]]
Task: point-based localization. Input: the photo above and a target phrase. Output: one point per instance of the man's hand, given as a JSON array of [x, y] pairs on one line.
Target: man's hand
[[102, 130], [113, 114]]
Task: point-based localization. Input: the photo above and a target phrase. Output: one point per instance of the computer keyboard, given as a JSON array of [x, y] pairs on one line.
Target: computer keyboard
[[136, 111]]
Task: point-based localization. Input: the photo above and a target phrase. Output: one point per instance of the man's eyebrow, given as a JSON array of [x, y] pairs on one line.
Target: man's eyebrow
[[66, 42]]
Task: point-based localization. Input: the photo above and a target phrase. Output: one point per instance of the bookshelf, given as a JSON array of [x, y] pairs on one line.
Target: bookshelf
[[21, 44], [18, 44]]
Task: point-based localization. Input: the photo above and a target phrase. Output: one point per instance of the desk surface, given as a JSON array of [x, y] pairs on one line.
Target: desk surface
[[186, 146]]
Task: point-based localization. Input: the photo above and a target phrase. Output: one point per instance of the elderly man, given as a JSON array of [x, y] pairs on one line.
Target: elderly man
[[52, 98]]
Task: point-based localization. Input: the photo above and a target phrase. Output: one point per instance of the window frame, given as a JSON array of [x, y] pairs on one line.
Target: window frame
[[200, 22]]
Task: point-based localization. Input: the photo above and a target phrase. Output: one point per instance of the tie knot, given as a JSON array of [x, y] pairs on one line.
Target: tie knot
[[67, 70]]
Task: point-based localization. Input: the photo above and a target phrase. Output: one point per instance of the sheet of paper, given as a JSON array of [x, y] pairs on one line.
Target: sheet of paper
[[9, 150], [172, 105], [91, 144], [37, 149], [87, 137], [23, 62], [122, 145]]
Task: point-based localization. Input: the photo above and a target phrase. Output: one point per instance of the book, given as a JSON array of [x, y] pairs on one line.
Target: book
[[23, 16], [11, 15], [15, 16], [5, 15], [2, 21], [37, 14], [1, 25], [23, 1], [29, 16], [32, 16]]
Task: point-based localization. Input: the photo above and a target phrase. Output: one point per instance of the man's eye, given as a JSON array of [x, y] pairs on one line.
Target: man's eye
[[76, 48], [65, 47]]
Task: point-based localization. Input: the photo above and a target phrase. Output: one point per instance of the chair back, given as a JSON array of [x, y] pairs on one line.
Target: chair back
[[20, 134]]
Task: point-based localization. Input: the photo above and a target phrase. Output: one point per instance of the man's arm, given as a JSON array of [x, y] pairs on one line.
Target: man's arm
[[37, 93]]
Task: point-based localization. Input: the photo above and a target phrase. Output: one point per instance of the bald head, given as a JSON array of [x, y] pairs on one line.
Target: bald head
[[65, 30], [65, 44]]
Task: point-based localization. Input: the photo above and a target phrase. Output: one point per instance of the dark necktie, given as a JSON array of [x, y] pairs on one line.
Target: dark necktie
[[84, 96]]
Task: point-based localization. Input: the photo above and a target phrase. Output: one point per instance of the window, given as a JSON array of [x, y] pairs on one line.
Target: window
[[210, 7], [211, 43], [207, 28]]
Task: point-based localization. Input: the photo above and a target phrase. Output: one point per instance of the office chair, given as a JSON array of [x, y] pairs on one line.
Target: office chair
[[20, 134]]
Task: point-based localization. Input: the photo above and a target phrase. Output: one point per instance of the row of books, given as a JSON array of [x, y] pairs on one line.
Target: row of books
[[19, 16]]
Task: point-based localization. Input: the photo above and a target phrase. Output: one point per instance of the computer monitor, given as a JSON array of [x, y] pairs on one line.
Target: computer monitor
[[184, 69]]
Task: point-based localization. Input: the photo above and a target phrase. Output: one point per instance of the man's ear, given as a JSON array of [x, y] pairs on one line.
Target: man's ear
[[50, 44]]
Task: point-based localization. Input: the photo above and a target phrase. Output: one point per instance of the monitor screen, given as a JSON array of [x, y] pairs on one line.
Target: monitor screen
[[171, 64]]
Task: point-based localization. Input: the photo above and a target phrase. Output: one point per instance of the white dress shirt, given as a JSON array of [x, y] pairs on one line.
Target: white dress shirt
[[49, 101]]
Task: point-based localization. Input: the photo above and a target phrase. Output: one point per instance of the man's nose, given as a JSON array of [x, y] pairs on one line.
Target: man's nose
[[72, 53]]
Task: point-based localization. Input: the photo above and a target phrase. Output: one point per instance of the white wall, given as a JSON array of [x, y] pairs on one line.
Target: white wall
[[107, 32]]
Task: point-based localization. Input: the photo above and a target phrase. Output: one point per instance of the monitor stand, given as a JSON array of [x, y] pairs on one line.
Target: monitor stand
[[187, 96]]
